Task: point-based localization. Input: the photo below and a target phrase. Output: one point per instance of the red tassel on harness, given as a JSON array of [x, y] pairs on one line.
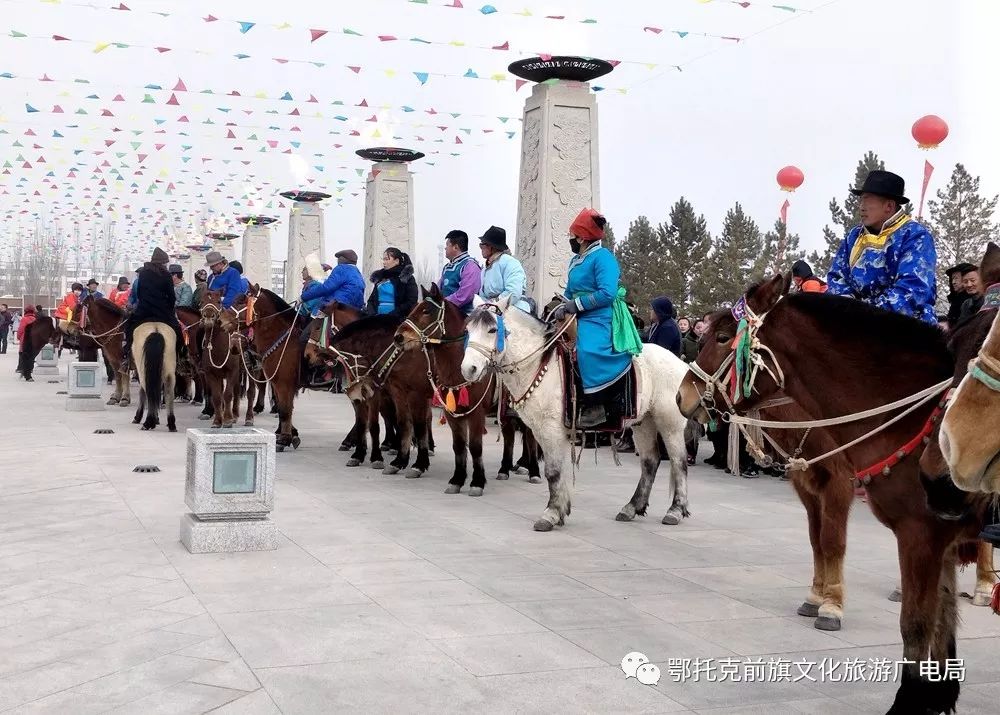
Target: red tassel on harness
[[437, 401], [463, 397], [995, 601], [443, 419]]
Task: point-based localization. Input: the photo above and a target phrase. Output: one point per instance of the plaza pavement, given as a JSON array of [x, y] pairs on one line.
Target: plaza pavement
[[387, 596]]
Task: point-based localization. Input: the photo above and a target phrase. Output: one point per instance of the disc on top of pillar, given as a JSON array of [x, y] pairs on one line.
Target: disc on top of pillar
[[389, 153], [308, 197], [256, 220], [220, 236], [568, 67]]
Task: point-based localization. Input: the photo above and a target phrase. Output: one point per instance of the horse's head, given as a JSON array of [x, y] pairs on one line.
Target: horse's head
[[969, 438], [211, 307], [241, 312], [727, 343], [430, 321], [485, 341]]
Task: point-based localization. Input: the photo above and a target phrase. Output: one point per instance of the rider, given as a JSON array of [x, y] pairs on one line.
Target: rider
[[64, 311], [120, 294], [200, 287], [504, 274], [245, 282], [154, 302], [225, 279], [91, 290], [804, 278], [395, 288], [591, 290], [462, 277], [889, 260], [183, 294], [343, 284]]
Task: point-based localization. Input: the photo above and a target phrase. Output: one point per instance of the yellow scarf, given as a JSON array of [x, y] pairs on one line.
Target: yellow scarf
[[877, 241]]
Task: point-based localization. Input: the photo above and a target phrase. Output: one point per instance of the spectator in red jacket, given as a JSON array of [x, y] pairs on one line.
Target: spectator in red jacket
[[22, 354]]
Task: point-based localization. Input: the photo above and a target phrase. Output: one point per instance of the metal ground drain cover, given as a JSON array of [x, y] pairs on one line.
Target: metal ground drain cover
[[54, 382], [104, 431], [145, 468], [62, 392]]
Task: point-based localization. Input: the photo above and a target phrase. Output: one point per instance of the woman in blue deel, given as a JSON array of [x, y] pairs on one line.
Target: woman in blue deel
[[395, 289], [591, 290]]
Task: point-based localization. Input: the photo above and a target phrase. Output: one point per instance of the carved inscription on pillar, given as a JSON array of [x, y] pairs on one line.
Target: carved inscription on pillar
[[570, 176], [528, 219]]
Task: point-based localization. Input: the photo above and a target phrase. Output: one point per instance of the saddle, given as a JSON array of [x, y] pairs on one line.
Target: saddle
[[620, 399]]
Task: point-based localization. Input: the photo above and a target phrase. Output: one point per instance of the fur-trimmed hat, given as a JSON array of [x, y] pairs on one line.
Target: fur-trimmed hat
[[314, 267]]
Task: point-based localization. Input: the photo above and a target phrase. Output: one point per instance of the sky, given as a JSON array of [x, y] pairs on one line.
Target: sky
[[815, 88]]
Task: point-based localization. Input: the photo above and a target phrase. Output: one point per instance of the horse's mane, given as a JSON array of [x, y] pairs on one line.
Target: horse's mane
[[483, 317], [873, 329], [280, 305], [108, 305], [371, 323]]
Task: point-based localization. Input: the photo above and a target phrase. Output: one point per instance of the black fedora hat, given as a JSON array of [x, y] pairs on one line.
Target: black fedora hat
[[962, 268], [495, 237], [884, 183]]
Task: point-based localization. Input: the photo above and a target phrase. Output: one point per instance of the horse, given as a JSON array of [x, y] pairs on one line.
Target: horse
[[371, 362], [36, 336], [192, 330], [523, 365], [337, 316], [435, 327], [868, 357], [221, 365], [970, 429], [154, 355], [276, 327], [102, 321]]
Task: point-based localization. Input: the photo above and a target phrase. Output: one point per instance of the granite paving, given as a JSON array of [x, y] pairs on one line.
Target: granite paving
[[385, 595]]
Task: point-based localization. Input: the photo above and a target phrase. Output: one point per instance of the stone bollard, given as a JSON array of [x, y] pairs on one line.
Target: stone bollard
[[47, 363], [230, 491], [83, 387]]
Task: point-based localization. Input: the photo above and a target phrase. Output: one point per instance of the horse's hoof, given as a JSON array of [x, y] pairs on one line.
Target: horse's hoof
[[112, 401], [502, 476], [248, 423], [227, 425], [353, 463], [216, 426], [135, 422], [828, 623], [543, 525], [452, 489], [124, 403], [672, 518], [896, 596], [279, 448], [378, 465], [535, 480], [414, 473], [809, 610], [622, 516], [296, 441], [521, 470], [391, 469], [203, 416], [475, 491], [345, 447], [171, 428]]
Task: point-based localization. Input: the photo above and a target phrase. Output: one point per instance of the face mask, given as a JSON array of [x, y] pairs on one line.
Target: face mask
[[574, 245]]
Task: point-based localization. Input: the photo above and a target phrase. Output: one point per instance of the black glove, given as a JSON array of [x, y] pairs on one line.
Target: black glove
[[568, 307]]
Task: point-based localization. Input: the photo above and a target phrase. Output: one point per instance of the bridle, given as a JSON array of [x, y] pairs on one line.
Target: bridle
[[991, 301], [735, 377], [426, 335]]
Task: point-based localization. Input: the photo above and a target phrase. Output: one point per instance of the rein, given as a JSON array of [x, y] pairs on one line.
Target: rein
[[743, 365]]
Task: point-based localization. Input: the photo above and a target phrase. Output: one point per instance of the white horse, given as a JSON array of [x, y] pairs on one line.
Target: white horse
[[531, 374]]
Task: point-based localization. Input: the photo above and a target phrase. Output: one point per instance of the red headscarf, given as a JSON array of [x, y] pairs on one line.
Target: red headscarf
[[586, 227]]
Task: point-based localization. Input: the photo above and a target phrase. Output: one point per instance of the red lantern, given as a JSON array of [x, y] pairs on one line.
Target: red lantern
[[790, 178], [929, 131]]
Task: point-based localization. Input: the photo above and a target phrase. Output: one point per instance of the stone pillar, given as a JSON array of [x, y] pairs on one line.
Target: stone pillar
[[388, 204], [305, 236], [256, 256], [195, 262], [559, 166], [83, 387], [225, 244]]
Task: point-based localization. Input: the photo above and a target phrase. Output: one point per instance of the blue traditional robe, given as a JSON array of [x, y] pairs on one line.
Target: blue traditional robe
[[893, 270], [592, 283], [504, 276]]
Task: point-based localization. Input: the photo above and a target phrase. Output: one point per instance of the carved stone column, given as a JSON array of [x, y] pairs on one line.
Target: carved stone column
[[305, 236], [223, 243], [195, 261], [256, 255], [559, 165], [388, 204]]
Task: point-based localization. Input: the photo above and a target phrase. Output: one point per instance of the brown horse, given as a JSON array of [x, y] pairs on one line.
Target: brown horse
[[275, 338], [374, 364], [192, 330], [100, 320], [36, 336], [338, 316], [866, 358], [221, 364], [436, 329]]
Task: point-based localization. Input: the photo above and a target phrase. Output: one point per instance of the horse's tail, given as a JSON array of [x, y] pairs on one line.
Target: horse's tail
[[153, 352]]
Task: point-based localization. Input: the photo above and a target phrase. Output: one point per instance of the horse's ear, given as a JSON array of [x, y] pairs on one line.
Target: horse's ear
[[435, 291], [990, 266], [769, 293], [477, 302], [503, 302]]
